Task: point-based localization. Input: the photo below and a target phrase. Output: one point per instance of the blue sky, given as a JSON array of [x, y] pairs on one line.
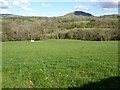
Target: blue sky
[[36, 8]]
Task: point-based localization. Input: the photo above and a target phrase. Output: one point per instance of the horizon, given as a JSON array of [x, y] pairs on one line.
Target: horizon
[[54, 9], [56, 16]]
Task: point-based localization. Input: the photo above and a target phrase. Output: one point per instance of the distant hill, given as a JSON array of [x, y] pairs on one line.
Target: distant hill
[[8, 15], [110, 15], [79, 13], [82, 13], [81, 26]]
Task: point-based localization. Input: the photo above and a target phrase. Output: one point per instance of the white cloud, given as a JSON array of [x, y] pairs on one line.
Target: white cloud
[[23, 4], [93, 0], [46, 5], [105, 1], [4, 11], [4, 2], [107, 4], [4, 5], [81, 8], [27, 9]]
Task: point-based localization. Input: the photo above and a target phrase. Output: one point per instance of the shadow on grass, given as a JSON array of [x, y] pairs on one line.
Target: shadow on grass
[[104, 84]]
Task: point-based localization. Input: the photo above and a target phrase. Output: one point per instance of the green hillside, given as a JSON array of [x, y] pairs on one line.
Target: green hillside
[[64, 27]]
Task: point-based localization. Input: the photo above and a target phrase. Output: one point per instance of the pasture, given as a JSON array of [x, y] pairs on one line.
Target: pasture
[[57, 63]]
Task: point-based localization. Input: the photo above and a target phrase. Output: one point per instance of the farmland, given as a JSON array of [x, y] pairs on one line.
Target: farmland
[[57, 63]]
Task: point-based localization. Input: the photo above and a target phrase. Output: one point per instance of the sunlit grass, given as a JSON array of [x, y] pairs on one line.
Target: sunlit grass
[[58, 63]]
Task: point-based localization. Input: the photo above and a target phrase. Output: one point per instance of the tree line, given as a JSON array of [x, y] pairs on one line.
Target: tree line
[[64, 27]]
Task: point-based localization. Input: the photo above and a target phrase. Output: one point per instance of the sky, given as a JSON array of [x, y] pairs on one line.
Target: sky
[[52, 8]]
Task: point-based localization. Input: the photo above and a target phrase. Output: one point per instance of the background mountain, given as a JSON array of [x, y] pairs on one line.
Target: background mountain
[[75, 13], [79, 13], [82, 13], [10, 15]]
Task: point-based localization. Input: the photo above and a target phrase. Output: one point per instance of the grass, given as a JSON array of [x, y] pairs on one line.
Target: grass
[[67, 30], [57, 63]]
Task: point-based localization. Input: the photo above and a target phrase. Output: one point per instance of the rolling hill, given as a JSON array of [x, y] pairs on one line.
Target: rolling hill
[[9, 15], [79, 13], [76, 25]]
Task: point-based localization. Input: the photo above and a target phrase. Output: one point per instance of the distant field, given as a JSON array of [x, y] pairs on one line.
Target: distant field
[[57, 63]]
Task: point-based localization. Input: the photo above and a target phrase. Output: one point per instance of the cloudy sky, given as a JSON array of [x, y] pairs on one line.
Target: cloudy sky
[[57, 7]]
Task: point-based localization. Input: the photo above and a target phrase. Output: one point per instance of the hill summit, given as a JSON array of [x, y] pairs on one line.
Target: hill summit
[[79, 13], [82, 13]]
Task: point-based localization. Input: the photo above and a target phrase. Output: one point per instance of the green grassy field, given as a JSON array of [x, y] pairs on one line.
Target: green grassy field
[[57, 63]]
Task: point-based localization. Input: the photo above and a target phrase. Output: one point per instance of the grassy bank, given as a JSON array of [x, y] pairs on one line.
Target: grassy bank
[[58, 63]]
